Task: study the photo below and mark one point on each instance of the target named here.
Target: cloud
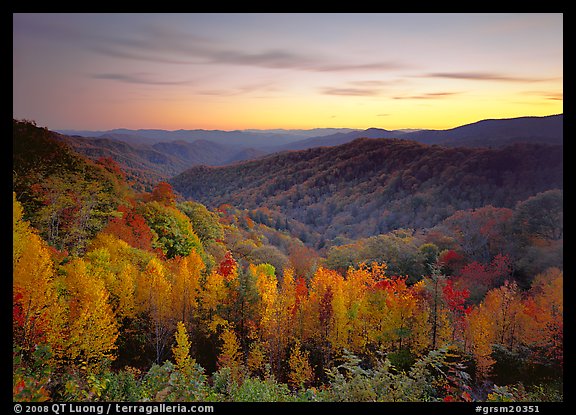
(549, 95)
(555, 96)
(375, 83)
(428, 95)
(136, 79)
(259, 87)
(373, 66)
(367, 92)
(166, 45)
(270, 59)
(163, 43)
(480, 76)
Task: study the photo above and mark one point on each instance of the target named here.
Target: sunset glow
(237, 71)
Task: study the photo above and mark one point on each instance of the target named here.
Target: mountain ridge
(482, 133)
(371, 186)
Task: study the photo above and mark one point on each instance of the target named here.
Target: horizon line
(282, 128)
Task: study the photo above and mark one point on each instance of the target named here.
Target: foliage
(250, 389)
(141, 297)
(301, 373)
(206, 224)
(173, 231)
(349, 191)
(30, 379)
(384, 383)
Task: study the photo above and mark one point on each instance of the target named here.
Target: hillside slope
(146, 164)
(371, 186)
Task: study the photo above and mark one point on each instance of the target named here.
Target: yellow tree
(125, 290)
(359, 283)
(320, 324)
(118, 265)
(301, 373)
(256, 359)
(186, 272)
(89, 332)
(33, 289)
(267, 288)
(181, 352)
(504, 308)
(268, 312)
(544, 309)
(285, 308)
(339, 327)
(400, 318)
(154, 295)
(212, 299)
(319, 321)
(481, 337)
(230, 353)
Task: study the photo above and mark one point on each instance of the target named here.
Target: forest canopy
(451, 291)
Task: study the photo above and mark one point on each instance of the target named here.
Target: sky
(294, 71)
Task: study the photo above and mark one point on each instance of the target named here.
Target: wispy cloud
(270, 59)
(141, 78)
(258, 87)
(164, 45)
(481, 76)
(555, 96)
(366, 92)
(428, 95)
(549, 95)
(371, 66)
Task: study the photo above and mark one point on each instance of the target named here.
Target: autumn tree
(268, 313)
(34, 293)
(132, 228)
(230, 353)
(185, 274)
(154, 297)
(434, 285)
(88, 327)
(478, 278)
(303, 260)
(481, 233)
(544, 310)
(163, 193)
(403, 323)
(301, 373)
(482, 336)
(455, 301)
(504, 306)
(181, 351)
(228, 267)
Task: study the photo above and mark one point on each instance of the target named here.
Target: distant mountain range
(151, 155)
(260, 139)
(485, 133)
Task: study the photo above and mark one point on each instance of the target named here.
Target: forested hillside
(372, 186)
(128, 295)
(146, 164)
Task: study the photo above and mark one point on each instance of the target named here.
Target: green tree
(206, 224)
(173, 230)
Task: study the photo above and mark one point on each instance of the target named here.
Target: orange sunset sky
(238, 71)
